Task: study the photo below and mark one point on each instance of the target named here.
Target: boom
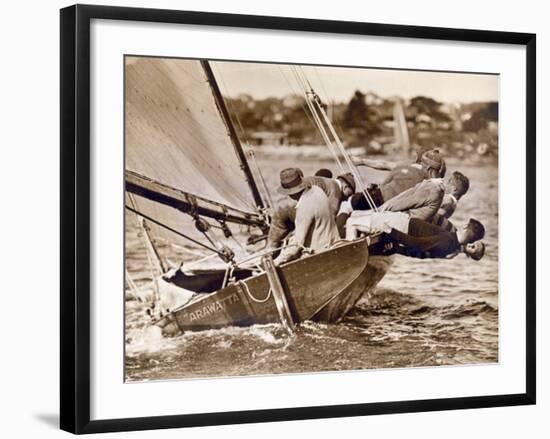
(186, 202)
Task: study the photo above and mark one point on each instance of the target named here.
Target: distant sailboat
(188, 178)
(400, 130)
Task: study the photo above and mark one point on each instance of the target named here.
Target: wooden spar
(232, 133)
(278, 294)
(266, 196)
(186, 202)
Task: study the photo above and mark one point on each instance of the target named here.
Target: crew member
(282, 220)
(421, 239)
(337, 190)
(425, 200)
(401, 177)
(315, 226)
(449, 204)
(324, 172)
(426, 240)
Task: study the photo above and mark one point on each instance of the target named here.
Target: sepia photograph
(297, 218)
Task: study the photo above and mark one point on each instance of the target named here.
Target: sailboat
(189, 181)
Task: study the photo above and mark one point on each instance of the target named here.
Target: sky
(339, 83)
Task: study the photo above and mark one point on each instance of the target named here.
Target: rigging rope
(233, 113)
(334, 122)
(133, 287)
(348, 160)
(155, 262)
(296, 93)
(191, 264)
(268, 201)
(194, 241)
(335, 146)
(304, 84)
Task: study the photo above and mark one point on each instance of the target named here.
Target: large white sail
(176, 136)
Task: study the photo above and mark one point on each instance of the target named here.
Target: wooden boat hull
(341, 304)
(310, 285)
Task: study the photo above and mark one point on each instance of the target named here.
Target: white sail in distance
(401, 132)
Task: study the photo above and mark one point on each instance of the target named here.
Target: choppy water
(423, 313)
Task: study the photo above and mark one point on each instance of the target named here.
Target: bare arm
(448, 206)
(381, 165)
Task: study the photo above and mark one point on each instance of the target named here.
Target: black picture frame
(75, 217)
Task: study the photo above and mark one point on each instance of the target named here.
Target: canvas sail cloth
(174, 134)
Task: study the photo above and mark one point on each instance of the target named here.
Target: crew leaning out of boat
(283, 218)
(449, 205)
(418, 238)
(401, 177)
(432, 199)
(315, 225)
(428, 199)
(422, 201)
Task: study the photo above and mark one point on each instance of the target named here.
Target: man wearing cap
(420, 202)
(337, 190)
(283, 218)
(324, 172)
(402, 176)
(315, 226)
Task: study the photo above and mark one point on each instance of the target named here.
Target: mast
(232, 133)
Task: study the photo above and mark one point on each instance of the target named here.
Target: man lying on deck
(418, 238)
(283, 218)
(315, 225)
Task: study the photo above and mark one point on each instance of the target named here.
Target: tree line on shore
(368, 120)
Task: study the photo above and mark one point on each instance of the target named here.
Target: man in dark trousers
(426, 240)
(421, 239)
